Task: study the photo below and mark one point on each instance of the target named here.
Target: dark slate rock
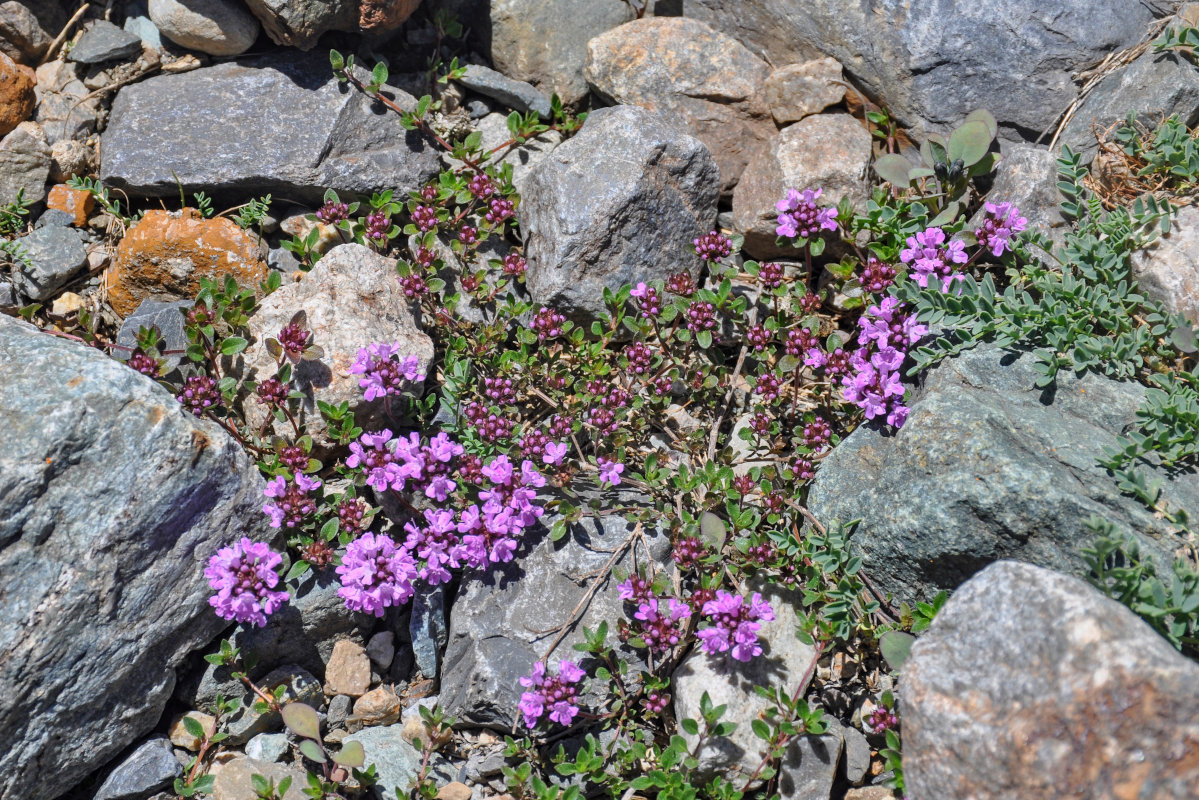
(1033, 684)
(56, 217)
(1154, 86)
(167, 317)
(8, 294)
(27, 27)
(477, 109)
(620, 202)
(428, 629)
(138, 22)
(104, 41)
(281, 125)
(57, 255)
(112, 499)
(988, 467)
(932, 63)
(300, 23)
(152, 766)
(499, 619)
(517, 95)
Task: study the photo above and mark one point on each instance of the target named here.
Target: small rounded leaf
(351, 755)
(894, 169)
(970, 143)
(895, 647)
(312, 751)
(986, 118)
(712, 530)
(301, 719)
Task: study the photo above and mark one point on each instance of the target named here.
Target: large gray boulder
(112, 499)
(931, 63)
(1033, 684)
(988, 467)
(620, 202)
(1168, 269)
(281, 125)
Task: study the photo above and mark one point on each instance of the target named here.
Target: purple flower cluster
(681, 283)
(770, 275)
(293, 503)
(735, 624)
(609, 471)
(424, 218)
(244, 577)
(713, 246)
(757, 337)
(547, 324)
(640, 357)
(557, 693)
(648, 302)
(377, 224)
(199, 393)
(332, 213)
(402, 463)
(515, 265)
(877, 276)
(381, 374)
(931, 258)
(688, 551)
(635, 589)
(886, 331)
(801, 218)
(375, 574)
(499, 210)
(271, 392)
(1002, 221)
(143, 363)
(701, 316)
(491, 427)
(882, 720)
(661, 629)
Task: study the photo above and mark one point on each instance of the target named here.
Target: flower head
(375, 574)
(556, 693)
(735, 624)
(244, 577)
(381, 375)
(801, 218)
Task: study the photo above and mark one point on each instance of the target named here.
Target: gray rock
(24, 164)
(299, 23)
(57, 255)
(339, 709)
(65, 109)
(152, 766)
(857, 755)
(1168, 270)
(1154, 86)
(1033, 684)
(544, 42)
(302, 632)
(282, 260)
(477, 109)
(166, 491)
(427, 628)
(809, 765)
(397, 763)
(517, 95)
(54, 217)
(69, 158)
(381, 648)
(138, 22)
(352, 298)
(987, 467)
(245, 722)
(268, 746)
(8, 294)
(620, 202)
(800, 90)
(932, 64)
(216, 27)
(499, 620)
(28, 26)
(702, 80)
(1027, 176)
(278, 125)
(167, 317)
(730, 682)
(104, 41)
(485, 763)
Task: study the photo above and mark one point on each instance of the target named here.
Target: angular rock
(932, 66)
(1168, 270)
(1027, 177)
(167, 490)
(57, 255)
(544, 42)
(700, 79)
(828, 151)
(235, 779)
(167, 318)
(349, 670)
(102, 42)
(216, 27)
(620, 202)
(138, 22)
(352, 298)
(379, 706)
(69, 158)
(24, 164)
(494, 128)
(76, 202)
(339, 709)
(280, 124)
(427, 628)
(1033, 684)
(397, 762)
(16, 95)
(8, 294)
(52, 216)
(857, 755)
(245, 722)
(381, 649)
(800, 90)
(1155, 86)
(730, 682)
(988, 467)
(166, 253)
(300, 24)
(152, 766)
(498, 617)
(517, 95)
(65, 108)
(28, 26)
(268, 747)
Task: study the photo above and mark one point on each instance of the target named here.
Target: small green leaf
(970, 143)
(894, 169)
(233, 345)
(312, 751)
(302, 720)
(351, 755)
(895, 647)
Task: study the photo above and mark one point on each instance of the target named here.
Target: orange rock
(164, 256)
(76, 202)
(381, 16)
(16, 95)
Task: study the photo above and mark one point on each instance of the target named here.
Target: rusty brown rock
(830, 151)
(76, 202)
(1032, 684)
(454, 791)
(383, 16)
(700, 78)
(164, 256)
(16, 94)
(379, 706)
(800, 90)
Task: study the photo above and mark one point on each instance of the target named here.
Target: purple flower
(636, 589)
(557, 693)
(375, 574)
(735, 625)
(648, 302)
(199, 393)
(661, 629)
(554, 452)
(930, 257)
(436, 543)
(243, 577)
(609, 471)
(801, 218)
(547, 324)
(1002, 221)
(381, 376)
(713, 246)
(292, 503)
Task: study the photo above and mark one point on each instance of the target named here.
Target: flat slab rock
(112, 499)
(281, 124)
(1033, 684)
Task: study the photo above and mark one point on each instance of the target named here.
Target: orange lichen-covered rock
(16, 94)
(76, 202)
(164, 256)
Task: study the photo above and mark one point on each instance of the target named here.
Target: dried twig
(62, 35)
